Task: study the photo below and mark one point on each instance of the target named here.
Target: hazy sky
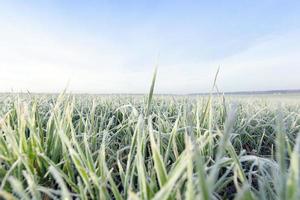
(112, 46)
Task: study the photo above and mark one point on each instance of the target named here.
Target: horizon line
(245, 92)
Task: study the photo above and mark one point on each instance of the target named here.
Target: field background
(149, 147)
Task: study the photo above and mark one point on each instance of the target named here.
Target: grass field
(136, 147)
(141, 147)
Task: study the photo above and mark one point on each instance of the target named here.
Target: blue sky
(112, 46)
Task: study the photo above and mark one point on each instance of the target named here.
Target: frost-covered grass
(135, 147)
(147, 147)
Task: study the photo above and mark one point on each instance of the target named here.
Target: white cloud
(43, 61)
(273, 63)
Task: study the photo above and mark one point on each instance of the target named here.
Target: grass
(155, 147)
